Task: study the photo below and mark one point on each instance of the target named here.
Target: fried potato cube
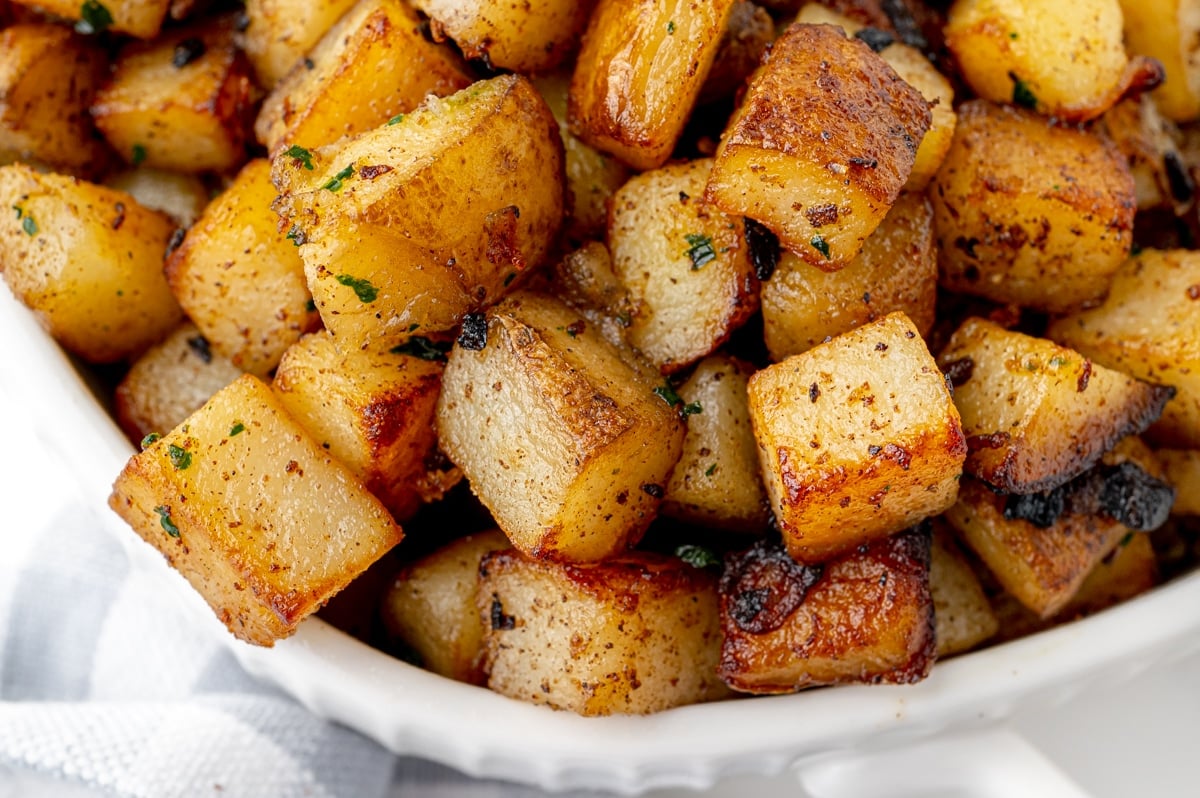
(639, 72)
(747, 36)
(48, 79)
(686, 265)
(240, 279)
(88, 261)
(866, 616)
(1166, 30)
(533, 36)
(963, 615)
(1149, 327)
(1149, 144)
(264, 523)
(182, 197)
(412, 225)
(188, 118)
(431, 608)
(803, 305)
(279, 32)
(169, 382)
(857, 439)
(1182, 468)
(1065, 59)
(632, 635)
(821, 146)
(369, 67)
(568, 446)
(372, 411)
(717, 482)
(140, 18)
(1037, 414)
(1014, 198)
(586, 281)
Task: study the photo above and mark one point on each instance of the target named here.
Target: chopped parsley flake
(164, 518)
(362, 288)
(94, 18)
(395, 120)
(335, 183)
(667, 393)
(300, 154)
(137, 154)
(310, 306)
(671, 28)
(149, 440)
(712, 468)
(820, 245)
(422, 347)
(296, 236)
(1022, 95)
(697, 556)
(180, 458)
(700, 249)
(237, 429)
(29, 225)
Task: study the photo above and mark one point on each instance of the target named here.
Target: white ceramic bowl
(411, 711)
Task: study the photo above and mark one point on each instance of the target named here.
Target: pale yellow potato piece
(140, 18)
(636, 634)
(686, 265)
(1150, 144)
(1149, 327)
(717, 482)
(963, 615)
(280, 32)
(1167, 30)
(182, 197)
(88, 261)
(1183, 471)
(566, 444)
(857, 439)
(269, 546)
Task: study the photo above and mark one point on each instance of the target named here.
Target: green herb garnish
(237, 429)
(29, 225)
(820, 245)
(422, 347)
(671, 28)
(164, 518)
(697, 556)
(310, 306)
(395, 120)
(149, 440)
(137, 154)
(300, 154)
(667, 393)
(335, 182)
(296, 236)
(710, 470)
(180, 458)
(1022, 95)
(362, 288)
(700, 249)
(94, 18)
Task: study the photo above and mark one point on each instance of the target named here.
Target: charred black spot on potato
(764, 250)
(500, 621)
(762, 586)
(1040, 509)
(474, 332)
(959, 371)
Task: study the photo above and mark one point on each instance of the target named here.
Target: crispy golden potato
(431, 607)
(857, 439)
(568, 446)
(369, 67)
(532, 36)
(169, 382)
(140, 18)
(372, 411)
(1182, 468)
(1014, 198)
(240, 279)
(636, 634)
(827, 121)
(586, 281)
(1037, 414)
(803, 305)
(412, 225)
(279, 32)
(48, 79)
(188, 118)
(963, 616)
(1149, 144)
(88, 261)
(266, 549)
(1065, 59)
(1149, 327)
(636, 107)
(717, 482)
(182, 197)
(747, 36)
(866, 616)
(686, 265)
(1166, 30)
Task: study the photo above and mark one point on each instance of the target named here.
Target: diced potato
(1148, 142)
(864, 617)
(850, 15)
(373, 411)
(804, 305)
(1037, 414)
(821, 146)
(857, 439)
(1183, 471)
(140, 18)
(636, 106)
(88, 261)
(1166, 30)
(413, 225)
(369, 67)
(279, 32)
(1149, 327)
(962, 613)
(686, 265)
(566, 445)
(48, 79)
(182, 197)
(717, 482)
(632, 635)
(431, 607)
(189, 118)
(531, 36)
(265, 548)
(585, 280)
(1014, 199)
(747, 36)
(170, 382)
(240, 279)
(1065, 59)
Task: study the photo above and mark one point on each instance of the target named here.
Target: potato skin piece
(635, 634)
(866, 616)
(826, 119)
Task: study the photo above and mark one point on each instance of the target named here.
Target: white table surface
(1137, 740)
